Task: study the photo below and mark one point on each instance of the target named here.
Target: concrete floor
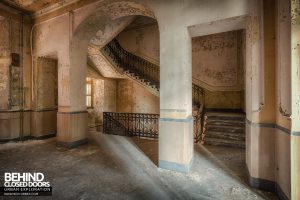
(116, 167)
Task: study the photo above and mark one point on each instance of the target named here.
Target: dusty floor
(116, 167)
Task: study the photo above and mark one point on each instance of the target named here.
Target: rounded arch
(87, 29)
(99, 19)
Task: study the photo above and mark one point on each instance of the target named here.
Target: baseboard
(267, 185)
(278, 191)
(175, 166)
(29, 137)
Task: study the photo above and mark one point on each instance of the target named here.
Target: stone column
(295, 129)
(176, 121)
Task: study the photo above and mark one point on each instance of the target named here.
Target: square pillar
(295, 129)
(72, 117)
(176, 121)
(72, 128)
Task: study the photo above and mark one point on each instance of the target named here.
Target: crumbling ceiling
(31, 5)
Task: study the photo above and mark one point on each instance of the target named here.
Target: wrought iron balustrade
(132, 63)
(131, 124)
(135, 124)
(140, 125)
(198, 96)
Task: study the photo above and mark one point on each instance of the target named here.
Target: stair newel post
(127, 61)
(146, 72)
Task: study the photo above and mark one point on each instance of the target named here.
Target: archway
(72, 115)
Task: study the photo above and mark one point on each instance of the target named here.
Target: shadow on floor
(233, 162)
(228, 159)
(149, 147)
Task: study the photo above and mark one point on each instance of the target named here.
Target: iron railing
(131, 124)
(132, 64)
(198, 96)
(140, 125)
(137, 124)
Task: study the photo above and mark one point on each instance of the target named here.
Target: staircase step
(225, 116)
(225, 129)
(225, 135)
(235, 114)
(225, 123)
(221, 142)
(229, 129)
(235, 118)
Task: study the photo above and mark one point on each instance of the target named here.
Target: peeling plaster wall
(175, 60)
(217, 62)
(120, 95)
(133, 98)
(51, 40)
(9, 73)
(44, 115)
(224, 99)
(46, 85)
(14, 57)
(104, 96)
(217, 66)
(142, 41)
(4, 61)
(105, 93)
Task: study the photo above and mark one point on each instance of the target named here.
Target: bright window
(89, 92)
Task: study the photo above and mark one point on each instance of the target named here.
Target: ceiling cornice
(10, 7)
(59, 9)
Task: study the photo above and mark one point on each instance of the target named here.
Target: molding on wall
(59, 9)
(266, 185)
(190, 119)
(72, 113)
(295, 133)
(14, 111)
(12, 10)
(213, 88)
(270, 125)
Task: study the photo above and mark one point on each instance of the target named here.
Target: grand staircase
(147, 74)
(134, 67)
(215, 128)
(224, 129)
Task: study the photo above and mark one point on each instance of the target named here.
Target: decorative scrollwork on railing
(131, 124)
(132, 63)
(143, 125)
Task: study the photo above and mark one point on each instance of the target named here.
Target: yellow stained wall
(133, 98)
(217, 61)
